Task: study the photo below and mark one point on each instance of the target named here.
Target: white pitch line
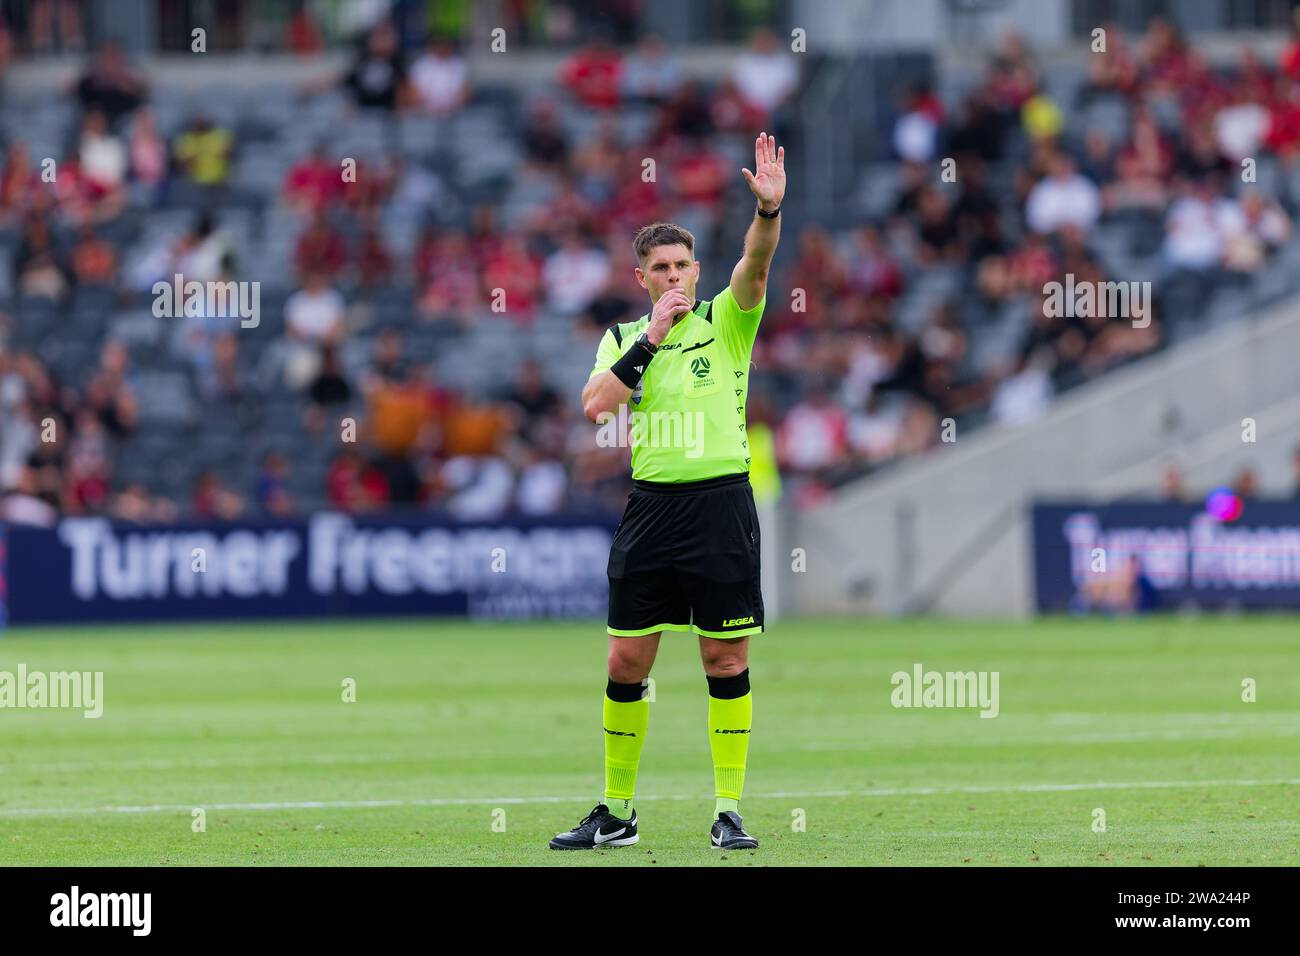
(212, 763)
(1284, 729)
(779, 795)
(1164, 736)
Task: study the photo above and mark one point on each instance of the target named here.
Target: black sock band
(624, 693)
(729, 688)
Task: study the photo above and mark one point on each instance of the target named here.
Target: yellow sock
(625, 728)
(731, 713)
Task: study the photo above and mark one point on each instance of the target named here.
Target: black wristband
(632, 365)
(769, 215)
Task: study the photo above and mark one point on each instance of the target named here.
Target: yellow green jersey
(685, 420)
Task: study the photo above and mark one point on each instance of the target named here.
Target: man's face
(669, 267)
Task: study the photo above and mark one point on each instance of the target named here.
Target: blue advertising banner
(92, 569)
(1169, 555)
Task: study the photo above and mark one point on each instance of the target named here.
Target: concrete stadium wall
(949, 530)
(925, 24)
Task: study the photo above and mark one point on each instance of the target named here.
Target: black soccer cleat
(729, 834)
(598, 828)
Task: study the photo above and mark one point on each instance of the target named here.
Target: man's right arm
(603, 393)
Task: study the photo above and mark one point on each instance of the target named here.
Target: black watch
(769, 215)
(644, 340)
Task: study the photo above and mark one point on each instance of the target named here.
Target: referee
(686, 554)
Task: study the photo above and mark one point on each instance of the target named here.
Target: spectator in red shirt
(302, 35)
(371, 187)
(1290, 61)
(1116, 71)
(314, 182)
(636, 202)
(320, 249)
(1012, 75)
(567, 211)
(1033, 264)
(87, 485)
(343, 481)
(212, 500)
(374, 262)
(451, 285)
(1142, 168)
(1164, 54)
(94, 261)
(1254, 80)
(517, 273)
(701, 177)
(594, 75)
(873, 271)
(353, 486)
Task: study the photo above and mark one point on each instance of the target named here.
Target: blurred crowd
(517, 445)
(844, 384)
(1034, 185)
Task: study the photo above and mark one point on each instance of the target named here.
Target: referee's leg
(631, 658)
(731, 712)
(626, 717)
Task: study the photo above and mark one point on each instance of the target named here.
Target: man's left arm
(767, 183)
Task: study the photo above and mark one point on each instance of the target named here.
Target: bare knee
(630, 658)
(724, 658)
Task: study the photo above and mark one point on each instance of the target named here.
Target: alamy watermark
(1103, 300)
(922, 688)
(75, 690)
(194, 299)
(652, 429)
(129, 910)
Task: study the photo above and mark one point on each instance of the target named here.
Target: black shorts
(685, 558)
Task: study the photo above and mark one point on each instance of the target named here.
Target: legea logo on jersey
(625, 429)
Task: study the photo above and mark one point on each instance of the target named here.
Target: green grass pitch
(473, 744)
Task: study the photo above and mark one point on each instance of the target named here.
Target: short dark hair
(661, 234)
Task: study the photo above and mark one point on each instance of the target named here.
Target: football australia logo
(702, 380)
